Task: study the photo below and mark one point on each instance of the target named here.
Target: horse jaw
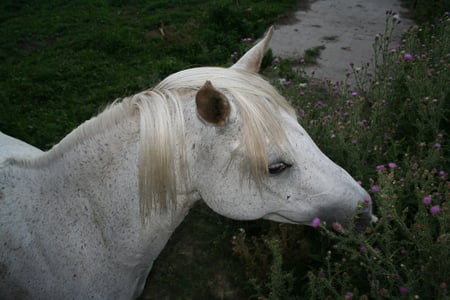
(251, 61)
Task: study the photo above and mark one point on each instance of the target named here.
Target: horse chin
(283, 218)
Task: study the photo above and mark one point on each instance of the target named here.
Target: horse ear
(212, 106)
(251, 61)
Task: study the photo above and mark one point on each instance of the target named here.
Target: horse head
(249, 158)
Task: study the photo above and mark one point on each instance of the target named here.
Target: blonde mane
(162, 130)
(259, 105)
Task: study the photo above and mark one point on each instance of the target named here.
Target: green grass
(61, 62)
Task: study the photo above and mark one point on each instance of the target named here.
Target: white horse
(87, 219)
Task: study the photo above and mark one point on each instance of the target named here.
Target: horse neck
(102, 172)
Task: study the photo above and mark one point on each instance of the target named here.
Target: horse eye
(278, 167)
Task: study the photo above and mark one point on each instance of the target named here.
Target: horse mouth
(282, 218)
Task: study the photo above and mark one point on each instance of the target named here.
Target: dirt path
(346, 28)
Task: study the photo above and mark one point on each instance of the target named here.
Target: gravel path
(345, 27)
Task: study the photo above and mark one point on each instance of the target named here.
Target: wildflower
(354, 94)
(315, 222)
(302, 61)
(440, 136)
(301, 112)
(276, 60)
(435, 210)
(354, 142)
(337, 227)
(443, 286)
(426, 200)
(408, 56)
(403, 290)
(403, 251)
(380, 168)
(348, 296)
(367, 201)
(362, 249)
(247, 40)
(397, 18)
(392, 165)
(437, 145)
(374, 189)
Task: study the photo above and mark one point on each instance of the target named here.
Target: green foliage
(425, 10)
(311, 55)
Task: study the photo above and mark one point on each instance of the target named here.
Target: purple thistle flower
(392, 165)
(380, 168)
(443, 286)
(362, 249)
(315, 222)
(437, 145)
(367, 201)
(435, 210)
(426, 200)
(276, 60)
(408, 56)
(374, 189)
(403, 290)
